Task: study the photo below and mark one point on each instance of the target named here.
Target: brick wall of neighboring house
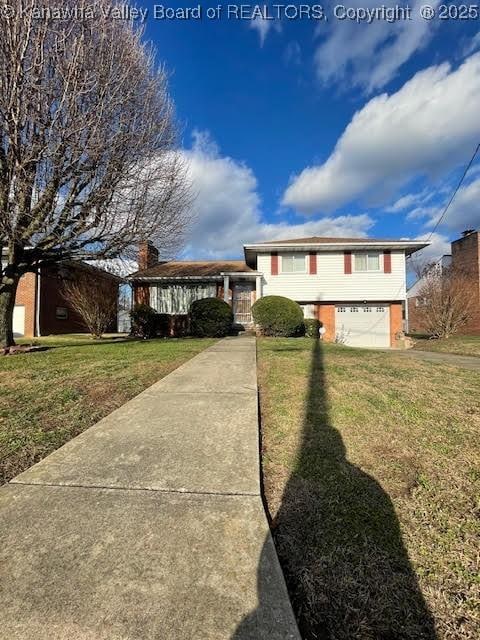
(26, 296)
(326, 315)
(466, 256)
(396, 321)
(53, 303)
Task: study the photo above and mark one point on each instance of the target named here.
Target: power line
(467, 169)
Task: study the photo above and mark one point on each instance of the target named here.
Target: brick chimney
(147, 255)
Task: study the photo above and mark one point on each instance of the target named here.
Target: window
(308, 311)
(354, 309)
(421, 302)
(341, 309)
(61, 313)
(367, 261)
(367, 309)
(380, 309)
(293, 263)
(177, 298)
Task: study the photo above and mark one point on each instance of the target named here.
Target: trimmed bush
(312, 327)
(210, 318)
(278, 316)
(144, 321)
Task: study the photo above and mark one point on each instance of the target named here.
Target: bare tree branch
(88, 160)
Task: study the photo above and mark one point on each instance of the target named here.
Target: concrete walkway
(150, 524)
(453, 359)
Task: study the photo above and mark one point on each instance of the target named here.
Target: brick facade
(396, 322)
(26, 297)
(465, 257)
(326, 315)
(50, 301)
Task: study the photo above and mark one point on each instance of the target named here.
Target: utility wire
(467, 169)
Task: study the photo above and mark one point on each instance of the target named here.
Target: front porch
(240, 290)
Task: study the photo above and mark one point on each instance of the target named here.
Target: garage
(18, 321)
(363, 325)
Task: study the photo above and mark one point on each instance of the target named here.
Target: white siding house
(331, 283)
(355, 287)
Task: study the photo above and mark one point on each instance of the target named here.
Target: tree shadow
(340, 545)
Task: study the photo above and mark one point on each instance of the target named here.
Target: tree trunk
(8, 292)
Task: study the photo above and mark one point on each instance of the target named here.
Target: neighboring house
(355, 287)
(466, 257)
(40, 308)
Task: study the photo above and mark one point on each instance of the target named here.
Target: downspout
(37, 304)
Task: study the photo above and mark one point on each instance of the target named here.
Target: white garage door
(363, 325)
(18, 320)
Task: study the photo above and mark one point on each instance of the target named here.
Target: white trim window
(367, 261)
(294, 263)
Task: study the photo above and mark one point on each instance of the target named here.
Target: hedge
(278, 316)
(210, 318)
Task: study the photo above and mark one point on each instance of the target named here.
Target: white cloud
(427, 127)
(227, 208)
(440, 245)
(464, 212)
(263, 25)
(369, 55)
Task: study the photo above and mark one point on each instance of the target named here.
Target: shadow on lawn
(339, 544)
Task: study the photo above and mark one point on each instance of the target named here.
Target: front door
(242, 303)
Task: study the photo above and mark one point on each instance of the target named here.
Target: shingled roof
(206, 268)
(323, 240)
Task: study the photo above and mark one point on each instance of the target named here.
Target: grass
(371, 473)
(47, 398)
(461, 345)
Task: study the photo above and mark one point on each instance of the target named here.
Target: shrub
(144, 321)
(312, 327)
(210, 318)
(278, 316)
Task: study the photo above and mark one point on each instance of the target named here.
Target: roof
(193, 269)
(325, 240)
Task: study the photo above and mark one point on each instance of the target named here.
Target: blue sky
(324, 127)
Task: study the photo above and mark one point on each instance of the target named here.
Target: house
(40, 308)
(355, 286)
(464, 256)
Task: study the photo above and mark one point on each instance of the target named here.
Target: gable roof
(192, 269)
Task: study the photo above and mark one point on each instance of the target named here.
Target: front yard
(371, 472)
(49, 397)
(461, 345)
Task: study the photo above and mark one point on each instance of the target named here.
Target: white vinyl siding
(293, 263)
(330, 283)
(177, 298)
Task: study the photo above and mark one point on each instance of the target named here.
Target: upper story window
(294, 263)
(367, 261)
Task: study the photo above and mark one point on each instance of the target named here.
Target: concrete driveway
(466, 362)
(150, 524)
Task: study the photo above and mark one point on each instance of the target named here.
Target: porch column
(226, 287)
(258, 287)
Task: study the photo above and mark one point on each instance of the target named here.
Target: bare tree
(444, 300)
(88, 165)
(95, 301)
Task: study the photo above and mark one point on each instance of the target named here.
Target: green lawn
(462, 345)
(49, 397)
(372, 477)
